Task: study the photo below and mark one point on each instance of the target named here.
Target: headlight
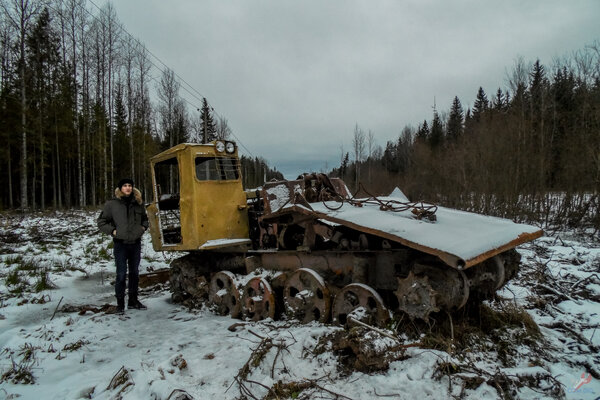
(230, 147)
(220, 146)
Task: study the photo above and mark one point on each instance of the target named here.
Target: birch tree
(358, 144)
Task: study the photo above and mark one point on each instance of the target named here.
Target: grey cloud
(294, 77)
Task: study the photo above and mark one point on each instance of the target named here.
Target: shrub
(43, 282)
(12, 278)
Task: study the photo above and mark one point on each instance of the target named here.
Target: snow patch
(399, 195)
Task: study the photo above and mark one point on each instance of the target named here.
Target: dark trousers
(127, 256)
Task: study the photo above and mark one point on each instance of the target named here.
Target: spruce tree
(42, 66)
(481, 104)
(209, 129)
(423, 132)
(455, 120)
(436, 136)
(389, 156)
(538, 90)
(122, 157)
(499, 102)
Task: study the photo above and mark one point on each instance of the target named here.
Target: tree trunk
(54, 186)
(10, 189)
(23, 121)
(58, 174)
(42, 162)
(33, 180)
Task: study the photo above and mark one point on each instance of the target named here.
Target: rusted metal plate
(155, 277)
(458, 238)
(280, 194)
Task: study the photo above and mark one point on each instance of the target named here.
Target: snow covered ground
(57, 342)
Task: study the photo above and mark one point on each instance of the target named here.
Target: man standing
(125, 219)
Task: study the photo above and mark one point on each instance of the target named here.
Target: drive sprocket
(416, 297)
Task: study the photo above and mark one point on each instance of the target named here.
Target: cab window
(217, 168)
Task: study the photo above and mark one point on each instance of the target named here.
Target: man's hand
(114, 232)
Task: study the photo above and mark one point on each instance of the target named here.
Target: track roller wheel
(258, 299)
(306, 296)
(359, 302)
(487, 277)
(224, 294)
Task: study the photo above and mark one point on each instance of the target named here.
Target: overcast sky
(293, 78)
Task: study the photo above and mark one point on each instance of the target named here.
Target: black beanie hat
(124, 181)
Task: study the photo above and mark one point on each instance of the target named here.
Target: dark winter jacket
(127, 217)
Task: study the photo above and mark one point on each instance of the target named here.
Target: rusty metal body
(308, 250)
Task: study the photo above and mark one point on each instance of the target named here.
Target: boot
(133, 302)
(120, 306)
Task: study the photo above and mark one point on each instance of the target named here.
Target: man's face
(127, 189)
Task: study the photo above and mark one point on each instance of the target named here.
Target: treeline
(256, 171)
(76, 110)
(530, 151)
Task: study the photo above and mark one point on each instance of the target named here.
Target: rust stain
(450, 259)
(152, 278)
(522, 238)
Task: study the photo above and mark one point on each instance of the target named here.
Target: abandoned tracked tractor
(308, 250)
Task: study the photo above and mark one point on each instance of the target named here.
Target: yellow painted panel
(209, 210)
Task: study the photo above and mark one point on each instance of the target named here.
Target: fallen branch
(122, 377)
(275, 361)
(561, 325)
(255, 357)
(503, 381)
(383, 333)
(338, 395)
(233, 328)
(265, 386)
(54, 313)
(556, 292)
(257, 335)
(244, 390)
(583, 280)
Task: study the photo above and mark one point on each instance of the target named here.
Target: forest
(77, 111)
(530, 152)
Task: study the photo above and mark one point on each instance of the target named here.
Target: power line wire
(151, 53)
(122, 28)
(162, 63)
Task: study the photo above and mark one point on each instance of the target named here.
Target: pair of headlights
(221, 146)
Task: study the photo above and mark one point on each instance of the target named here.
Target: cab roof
(178, 148)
